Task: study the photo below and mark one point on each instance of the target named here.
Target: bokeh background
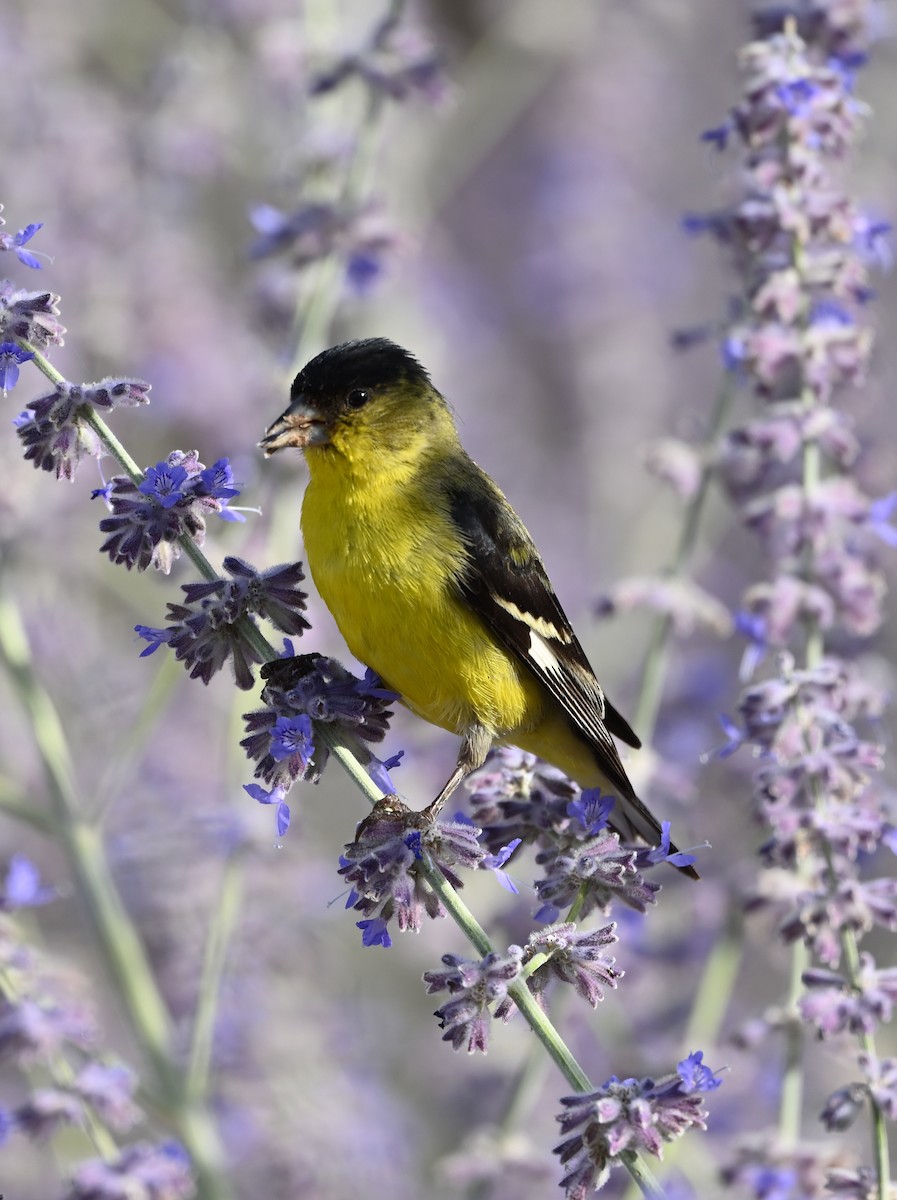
(532, 257)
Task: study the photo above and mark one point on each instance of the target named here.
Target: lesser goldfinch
(434, 581)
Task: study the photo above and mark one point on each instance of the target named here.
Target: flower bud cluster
(215, 622)
(172, 500)
(301, 690)
(516, 796)
(629, 1115)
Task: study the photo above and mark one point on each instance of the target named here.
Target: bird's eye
(358, 398)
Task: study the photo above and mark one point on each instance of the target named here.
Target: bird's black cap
(372, 363)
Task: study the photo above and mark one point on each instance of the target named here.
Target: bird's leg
(475, 746)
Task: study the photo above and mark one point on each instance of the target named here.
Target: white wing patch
(538, 624)
(543, 655)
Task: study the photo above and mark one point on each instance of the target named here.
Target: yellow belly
(385, 580)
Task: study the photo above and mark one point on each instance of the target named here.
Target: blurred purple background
(539, 272)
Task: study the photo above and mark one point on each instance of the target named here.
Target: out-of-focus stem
(657, 657)
(791, 1098)
(314, 319)
(223, 922)
(116, 934)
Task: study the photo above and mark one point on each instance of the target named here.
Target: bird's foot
(389, 810)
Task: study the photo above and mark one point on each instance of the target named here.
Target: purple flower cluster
(29, 317)
(54, 430)
(302, 689)
(173, 500)
(44, 1027)
(476, 987)
(803, 252)
(397, 63)
(517, 796)
(628, 1115)
(157, 1172)
(380, 865)
(213, 624)
(575, 957)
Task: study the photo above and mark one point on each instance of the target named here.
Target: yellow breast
(385, 573)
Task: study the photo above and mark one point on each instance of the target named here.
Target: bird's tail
(593, 765)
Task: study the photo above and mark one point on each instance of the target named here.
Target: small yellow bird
(434, 581)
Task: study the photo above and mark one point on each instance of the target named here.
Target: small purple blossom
(109, 1088)
(16, 242)
(880, 1082)
(719, 135)
(379, 771)
(292, 735)
(29, 316)
(22, 887)
(515, 795)
(216, 621)
(154, 637)
(55, 432)
(46, 1111)
(476, 987)
(30, 1031)
(832, 1005)
(843, 1107)
(495, 863)
(374, 932)
(325, 691)
(163, 482)
(11, 358)
(661, 854)
(275, 797)
(600, 869)
(879, 518)
(592, 810)
(397, 61)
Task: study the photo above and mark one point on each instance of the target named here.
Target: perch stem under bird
(434, 581)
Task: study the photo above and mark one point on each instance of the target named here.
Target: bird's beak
(302, 424)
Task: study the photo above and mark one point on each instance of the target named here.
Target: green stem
(217, 942)
(716, 986)
(134, 740)
(791, 1099)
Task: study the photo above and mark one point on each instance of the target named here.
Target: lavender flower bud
(576, 958)
(476, 986)
(29, 316)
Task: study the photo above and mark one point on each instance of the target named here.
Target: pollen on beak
(300, 425)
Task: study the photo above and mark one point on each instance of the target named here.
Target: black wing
(506, 584)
